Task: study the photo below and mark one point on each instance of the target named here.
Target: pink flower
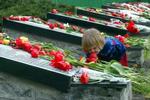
(75, 28)
(54, 11)
(69, 13)
(92, 19)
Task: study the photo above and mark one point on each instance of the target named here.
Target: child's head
(92, 40)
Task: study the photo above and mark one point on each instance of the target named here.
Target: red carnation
(55, 24)
(120, 38)
(24, 19)
(52, 53)
(131, 27)
(126, 35)
(37, 46)
(58, 61)
(42, 53)
(51, 26)
(34, 53)
(61, 26)
(27, 46)
(63, 65)
(92, 57)
(19, 43)
(84, 79)
(80, 16)
(81, 30)
(75, 28)
(69, 13)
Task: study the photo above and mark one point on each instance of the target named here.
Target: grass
(29, 7)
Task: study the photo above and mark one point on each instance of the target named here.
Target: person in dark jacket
(106, 48)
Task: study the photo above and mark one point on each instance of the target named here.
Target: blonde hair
(92, 38)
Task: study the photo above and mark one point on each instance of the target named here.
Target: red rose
(84, 79)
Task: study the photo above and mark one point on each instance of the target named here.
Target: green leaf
(118, 67)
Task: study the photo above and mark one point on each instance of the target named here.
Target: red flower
(80, 16)
(127, 45)
(113, 14)
(75, 28)
(1, 41)
(69, 13)
(54, 11)
(52, 53)
(126, 35)
(58, 56)
(61, 26)
(84, 79)
(51, 26)
(81, 30)
(63, 65)
(42, 53)
(131, 27)
(19, 43)
(24, 19)
(92, 57)
(123, 15)
(117, 22)
(58, 61)
(37, 46)
(55, 24)
(120, 38)
(27, 46)
(92, 19)
(34, 53)
(13, 18)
